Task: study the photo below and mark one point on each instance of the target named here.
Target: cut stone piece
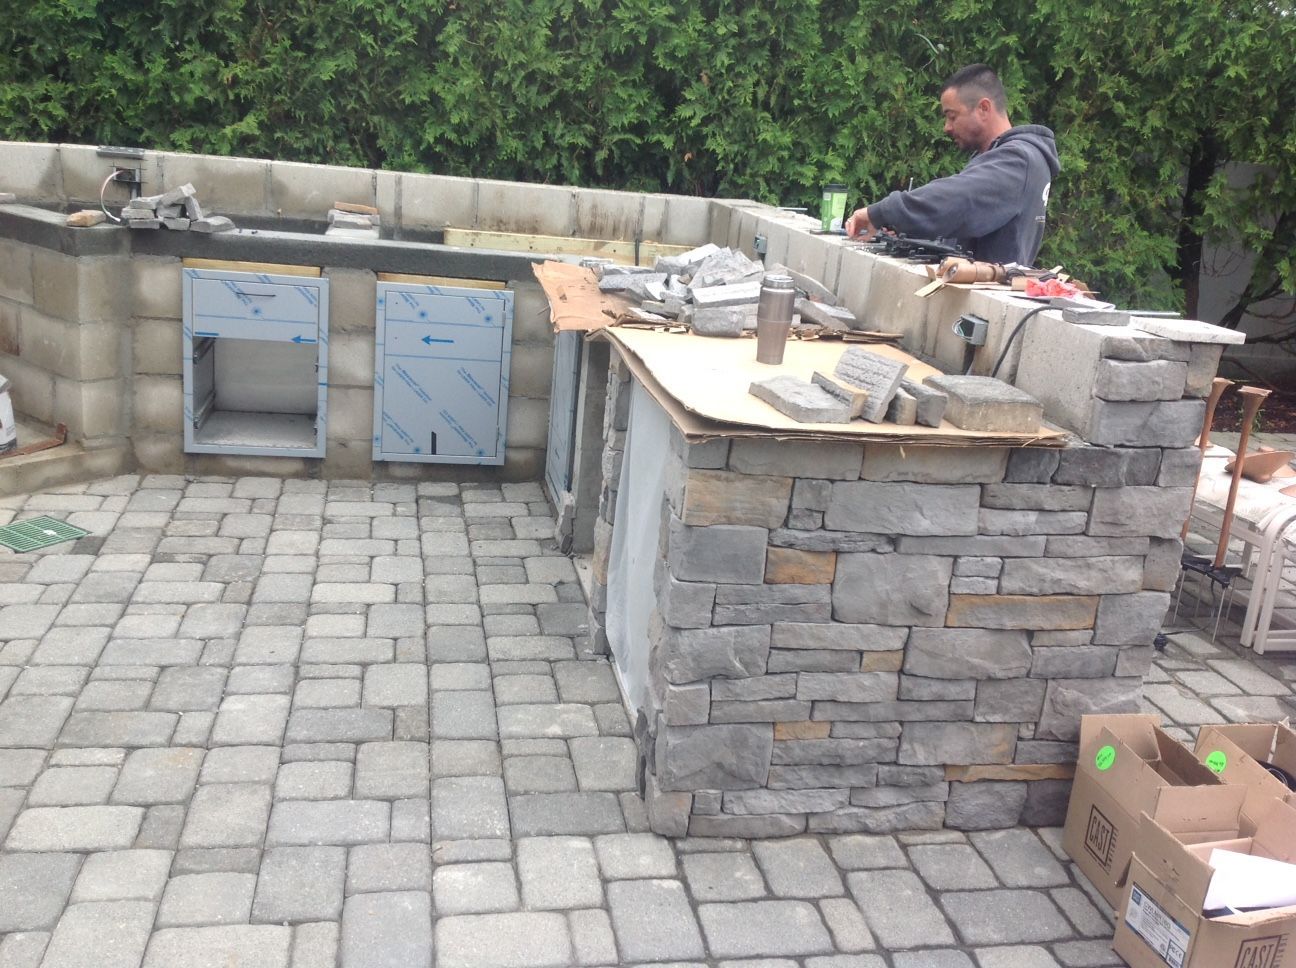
(192, 209)
(176, 196)
(931, 403)
(143, 223)
(903, 409)
(725, 268)
(626, 282)
(879, 375)
(985, 403)
(803, 402)
(1187, 330)
(719, 321)
(85, 218)
(176, 224)
(211, 224)
(854, 398)
(170, 211)
(832, 317)
(686, 261)
(737, 294)
(1096, 317)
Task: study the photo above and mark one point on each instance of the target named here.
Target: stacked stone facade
(859, 636)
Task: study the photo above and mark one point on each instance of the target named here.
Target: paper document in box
(1247, 882)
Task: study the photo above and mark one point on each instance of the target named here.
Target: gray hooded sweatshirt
(994, 206)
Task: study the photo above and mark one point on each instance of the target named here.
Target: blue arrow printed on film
(429, 340)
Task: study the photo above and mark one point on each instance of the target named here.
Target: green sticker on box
(1217, 761)
(1105, 758)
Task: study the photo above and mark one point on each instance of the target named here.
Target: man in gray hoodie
(995, 206)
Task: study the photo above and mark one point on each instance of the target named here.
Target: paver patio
(303, 723)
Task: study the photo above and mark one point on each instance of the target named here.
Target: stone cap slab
(1187, 330)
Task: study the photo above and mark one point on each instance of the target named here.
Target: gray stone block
(1066, 700)
(838, 637)
(985, 403)
(746, 802)
(1009, 700)
(892, 589)
(724, 268)
(967, 653)
(1162, 565)
(1187, 330)
(921, 689)
(728, 757)
(1158, 380)
(930, 403)
(1179, 467)
(687, 705)
(1071, 576)
(925, 815)
(1074, 662)
(854, 399)
(992, 521)
(714, 297)
(211, 224)
(878, 375)
(1105, 466)
(689, 655)
(847, 751)
(1036, 497)
(830, 317)
(903, 409)
(894, 508)
(1168, 423)
(1030, 546)
(835, 460)
(723, 553)
(719, 321)
(1084, 546)
(1154, 511)
(1130, 619)
(1203, 364)
(1032, 465)
(802, 401)
(887, 461)
(819, 540)
(1046, 804)
(924, 744)
(847, 687)
(985, 805)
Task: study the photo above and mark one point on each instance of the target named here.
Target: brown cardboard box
(1235, 752)
(1128, 765)
(1161, 921)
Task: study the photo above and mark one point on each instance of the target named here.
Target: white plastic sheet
(631, 596)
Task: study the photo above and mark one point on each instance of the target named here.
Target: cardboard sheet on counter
(575, 302)
(703, 384)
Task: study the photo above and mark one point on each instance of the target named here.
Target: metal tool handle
(1252, 398)
(1218, 386)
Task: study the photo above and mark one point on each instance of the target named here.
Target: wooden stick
(1252, 398)
(1218, 386)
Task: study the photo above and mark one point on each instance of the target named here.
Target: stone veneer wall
(862, 637)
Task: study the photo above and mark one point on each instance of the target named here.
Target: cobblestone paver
(302, 723)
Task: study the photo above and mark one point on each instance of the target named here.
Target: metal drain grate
(35, 533)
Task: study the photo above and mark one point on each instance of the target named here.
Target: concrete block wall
(64, 339)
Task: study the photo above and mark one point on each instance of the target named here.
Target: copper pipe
(1252, 398)
(1218, 386)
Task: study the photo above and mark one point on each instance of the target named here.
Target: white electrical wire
(103, 188)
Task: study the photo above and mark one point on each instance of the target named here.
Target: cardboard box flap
(1171, 863)
(1236, 762)
(1276, 834)
(1187, 810)
(1181, 764)
(1135, 730)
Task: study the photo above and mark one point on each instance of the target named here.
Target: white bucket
(8, 428)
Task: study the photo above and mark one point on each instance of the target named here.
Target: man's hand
(858, 225)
